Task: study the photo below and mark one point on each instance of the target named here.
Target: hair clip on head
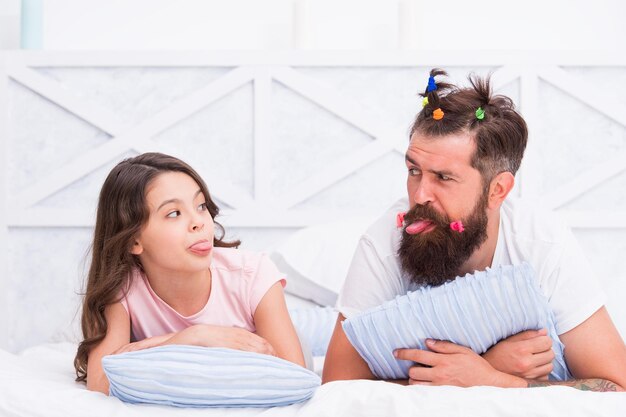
(432, 85)
(480, 113)
(438, 114)
(425, 102)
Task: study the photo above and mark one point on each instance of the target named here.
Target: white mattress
(40, 382)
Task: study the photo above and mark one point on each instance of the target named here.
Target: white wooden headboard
(283, 140)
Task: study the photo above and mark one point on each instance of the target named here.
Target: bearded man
(465, 147)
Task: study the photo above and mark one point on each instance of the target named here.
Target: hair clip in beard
(457, 226)
(400, 219)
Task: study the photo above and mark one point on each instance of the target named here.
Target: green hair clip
(480, 113)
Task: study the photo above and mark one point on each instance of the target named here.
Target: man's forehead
(454, 149)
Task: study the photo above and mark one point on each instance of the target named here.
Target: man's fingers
(416, 382)
(543, 358)
(443, 346)
(528, 334)
(540, 344)
(421, 373)
(541, 373)
(423, 357)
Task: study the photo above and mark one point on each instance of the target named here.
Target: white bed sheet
(40, 382)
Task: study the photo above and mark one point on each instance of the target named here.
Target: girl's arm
(118, 334)
(273, 323)
(208, 336)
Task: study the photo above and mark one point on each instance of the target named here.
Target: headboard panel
(283, 140)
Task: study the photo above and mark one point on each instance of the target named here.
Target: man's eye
(444, 177)
(414, 172)
(173, 214)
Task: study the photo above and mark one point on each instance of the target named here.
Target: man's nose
(423, 193)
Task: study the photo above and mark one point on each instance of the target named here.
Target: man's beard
(435, 257)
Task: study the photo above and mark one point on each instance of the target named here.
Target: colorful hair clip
(425, 102)
(432, 85)
(457, 226)
(400, 219)
(480, 113)
(438, 114)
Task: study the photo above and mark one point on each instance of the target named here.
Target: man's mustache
(425, 212)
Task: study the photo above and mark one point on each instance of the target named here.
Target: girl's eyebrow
(171, 200)
(177, 200)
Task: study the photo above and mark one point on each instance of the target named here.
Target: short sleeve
(265, 275)
(575, 291)
(124, 302)
(372, 279)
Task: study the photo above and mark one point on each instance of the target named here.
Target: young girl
(161, 275)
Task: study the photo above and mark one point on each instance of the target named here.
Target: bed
(274, 119)
(39, 382)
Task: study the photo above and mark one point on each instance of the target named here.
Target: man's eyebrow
(443, 173)
(408, 159)
(176, 200)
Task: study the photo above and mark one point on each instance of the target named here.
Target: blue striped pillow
(193, 376)
(476, 311)
(315, 327)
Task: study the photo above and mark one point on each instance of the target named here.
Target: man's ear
(499, 188)
(137, 249)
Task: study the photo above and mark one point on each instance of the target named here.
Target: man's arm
(594, 352)
(342, 360)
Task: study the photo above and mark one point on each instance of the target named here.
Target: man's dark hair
(500, 136)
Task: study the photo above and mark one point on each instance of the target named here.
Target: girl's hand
(144, 344)
(220, 336)
(240, 339)
(527, 355)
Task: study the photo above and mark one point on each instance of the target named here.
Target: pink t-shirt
(239, 280)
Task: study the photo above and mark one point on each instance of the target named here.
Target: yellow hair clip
(425, 102)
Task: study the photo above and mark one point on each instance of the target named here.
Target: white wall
(334, 24)
(9, 24)
(284, 141)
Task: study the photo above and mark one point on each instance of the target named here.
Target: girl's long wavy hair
(122, 212)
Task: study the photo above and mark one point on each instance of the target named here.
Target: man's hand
(527, 354)
(449, 364)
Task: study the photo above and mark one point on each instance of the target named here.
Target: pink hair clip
(400, 219)
(458, 226)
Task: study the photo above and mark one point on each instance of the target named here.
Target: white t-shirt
(525, 234)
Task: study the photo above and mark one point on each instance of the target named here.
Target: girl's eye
(173, 214)
(202, 207)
